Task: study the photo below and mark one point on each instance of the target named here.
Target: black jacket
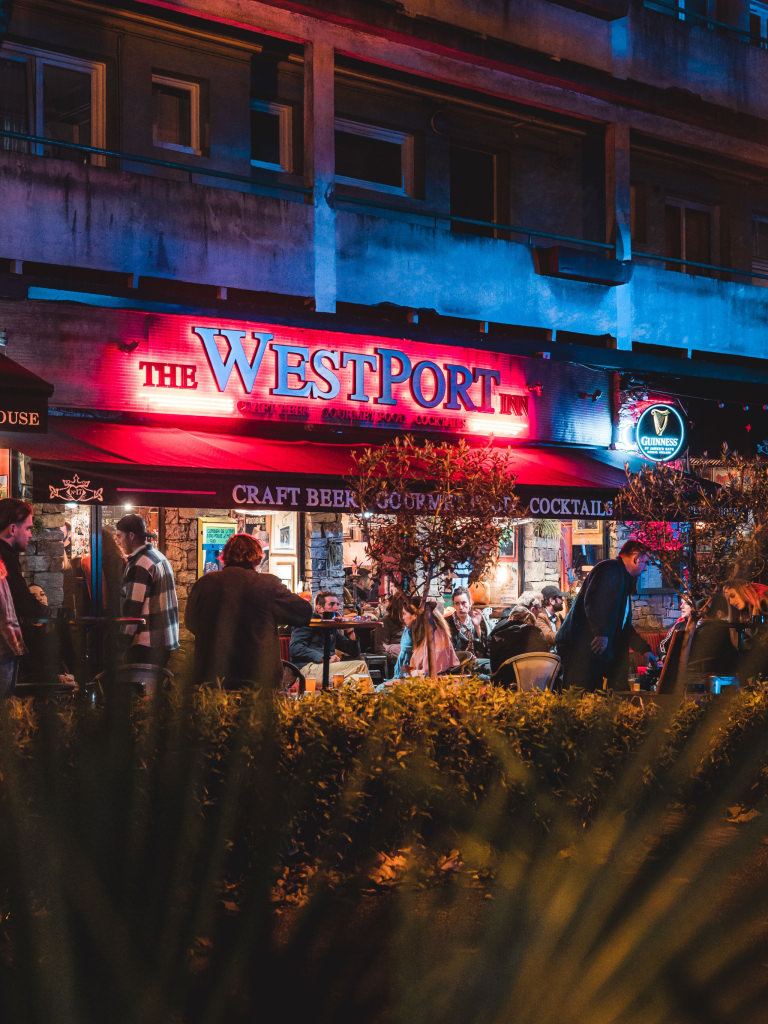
(28, 608)
(307, 645)
(599, 610)
(234, 614)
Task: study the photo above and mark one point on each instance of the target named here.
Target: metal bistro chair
(533, 671)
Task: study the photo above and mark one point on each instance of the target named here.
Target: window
(271, 136)
(377, 158)
(52, 96)
(688, 233)
(474, 189)
(175, 114)
(758, 23)
(696, 11)
(760, 248)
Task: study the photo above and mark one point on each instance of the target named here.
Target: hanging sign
(660, 433)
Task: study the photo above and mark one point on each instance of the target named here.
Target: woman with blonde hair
(746, 596)
(750, 601)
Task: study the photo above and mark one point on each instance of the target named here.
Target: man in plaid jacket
(148, 592)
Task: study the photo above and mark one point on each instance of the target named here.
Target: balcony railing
(192, 171)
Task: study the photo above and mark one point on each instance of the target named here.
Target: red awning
(159, 465)
(78, 441)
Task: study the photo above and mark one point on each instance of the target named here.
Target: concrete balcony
(77, 215)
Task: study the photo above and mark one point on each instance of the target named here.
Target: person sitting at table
(712, 653)
(517, 634)
(418, 623)
(686, 610)
(750, 603)
(386, 640)
(469, 632)
(308, 644)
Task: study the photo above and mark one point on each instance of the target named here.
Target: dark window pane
(66, 109)
(673, 239)
(14, 111)
(265, 137)
(760, 239)
(473, 189)
(698, 236)
(172, 115)
(366, 159)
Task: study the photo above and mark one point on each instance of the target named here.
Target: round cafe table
(329, 625)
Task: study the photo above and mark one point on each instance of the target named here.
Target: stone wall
(43, 565)
(541, 559)
(324, 535)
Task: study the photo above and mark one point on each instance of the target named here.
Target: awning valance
(87, 461)
(23, 398)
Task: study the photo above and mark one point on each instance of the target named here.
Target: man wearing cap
(148, 592)
(549, 616)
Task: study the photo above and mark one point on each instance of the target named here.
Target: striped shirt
(150, 593)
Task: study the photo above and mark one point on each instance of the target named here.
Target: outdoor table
(339, 624)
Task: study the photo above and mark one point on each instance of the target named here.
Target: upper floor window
(474, 190)
(760, 246)
(271, 135)
(689, 233)
(687, 10)
(175, 114)
(758, 23)
(374, 157)
(55, 97)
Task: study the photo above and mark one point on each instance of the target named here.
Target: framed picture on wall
(587, 531)
(284, 532)
(3, 486)
(285, 570)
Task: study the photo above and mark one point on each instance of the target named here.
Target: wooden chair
(533, 671)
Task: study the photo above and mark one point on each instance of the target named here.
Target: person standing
(11, 641)
(597, 635)
(15, 534)
(549, 618)
(234, 615)
(148, 592)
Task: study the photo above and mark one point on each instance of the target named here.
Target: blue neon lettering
(222, 369)
(359, 362)
(325, 373)
(283, 370)
(457, 389)
(386, 378)
(416, 384)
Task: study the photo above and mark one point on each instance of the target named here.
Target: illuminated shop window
(374, 157)
(175, 114)
(53, 96)
(271, 136)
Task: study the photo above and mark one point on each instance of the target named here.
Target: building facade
(215, 214)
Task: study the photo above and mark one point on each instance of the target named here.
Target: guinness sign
(660, 433)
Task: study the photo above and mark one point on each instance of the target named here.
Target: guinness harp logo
(660, 433)
(660, 418)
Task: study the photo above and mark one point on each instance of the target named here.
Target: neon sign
(206, 368)
(660, 433)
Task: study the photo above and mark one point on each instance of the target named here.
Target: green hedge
(174, 860)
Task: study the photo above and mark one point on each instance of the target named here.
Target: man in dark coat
(308, 644)
(234, 615)
(597, 635)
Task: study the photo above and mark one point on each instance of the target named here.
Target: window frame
(284, 113)
(195, 134)
(714, 241)
(760, 11)
(406, 142)
(36, 60)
